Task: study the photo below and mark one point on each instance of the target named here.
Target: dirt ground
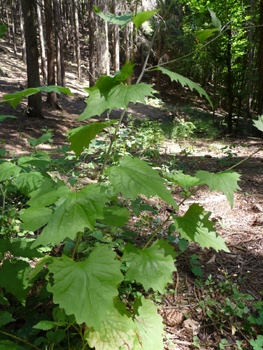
(241, 227)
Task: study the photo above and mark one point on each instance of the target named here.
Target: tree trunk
(23, 42)
(42, 41)
(13, 20)
(103, 42)
(250, 61)
(260, 62)
(92, 28)
(59, 44)
(76, 26)
(116, 40)
(229, 82)
(51, 96)
(34, 101)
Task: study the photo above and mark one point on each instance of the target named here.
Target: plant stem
(3, 194)
(244, 160)
(76, 244)
(111, 142)
(20, 339)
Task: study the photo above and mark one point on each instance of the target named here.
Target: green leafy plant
(77, 268)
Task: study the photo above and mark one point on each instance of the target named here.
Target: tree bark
(250, 61)
(23, 42)
(59, 44)
(103, 42)
(116, 40)
(260, 62)
(34, 101)
(76, 26)
(51, 96)
(13, 23)
(92, 28)
(42, 41)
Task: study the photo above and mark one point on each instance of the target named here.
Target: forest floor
(241, 226)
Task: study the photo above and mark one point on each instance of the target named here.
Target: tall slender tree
(76, 27)
(42, 41)
(34, 101)
(260, 63)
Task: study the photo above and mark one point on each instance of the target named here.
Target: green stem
(76, 245)
(244, 160)
(23, 340)
(111, 142)
(3, 194)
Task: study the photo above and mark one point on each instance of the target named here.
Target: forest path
(241, 227)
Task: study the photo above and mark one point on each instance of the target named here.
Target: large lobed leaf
(80, 137)
(149, 323)
(73, 213)
(19, 284)
(259, 123)
(118, 96)
(7, 169)
(195, 226)
(225, 181)
(152, 267)
(134, 177)
(87, 288)
(117, 330)
(185, 81)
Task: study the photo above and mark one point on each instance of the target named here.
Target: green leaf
(9, 345)
(28, 182)
(15, 98)
(47, 325)
(149, 323)
(120, 20)
(19, 284)
(152, 267)
(225, 181)
(182, 244)
(3, 117)
(259, 123)
(142, 17)
(19, 247)
(86, 289)
(7, 170)
(117, 97)
(34, 218)
(80, 137)
(48, 192)
(258, 343)
(40, 140)
(185, 181)
(115, 216)
(134, 177)
(202, 35)
(117, 331)
(195, 226)
(39, 159)
(5, 317)
(185, 81)
(216, 22)
(3, 29)
(73, 213)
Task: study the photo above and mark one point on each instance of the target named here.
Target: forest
(131, 196)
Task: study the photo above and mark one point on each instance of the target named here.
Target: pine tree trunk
(116, 40)
(51, 96)
(103, 42)
(76, 26)
(250, 62)
(42, 41)
(23, 42)
(260, 62)
(34, 101)
(92, 57)
(59, 44)
(13, 16)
